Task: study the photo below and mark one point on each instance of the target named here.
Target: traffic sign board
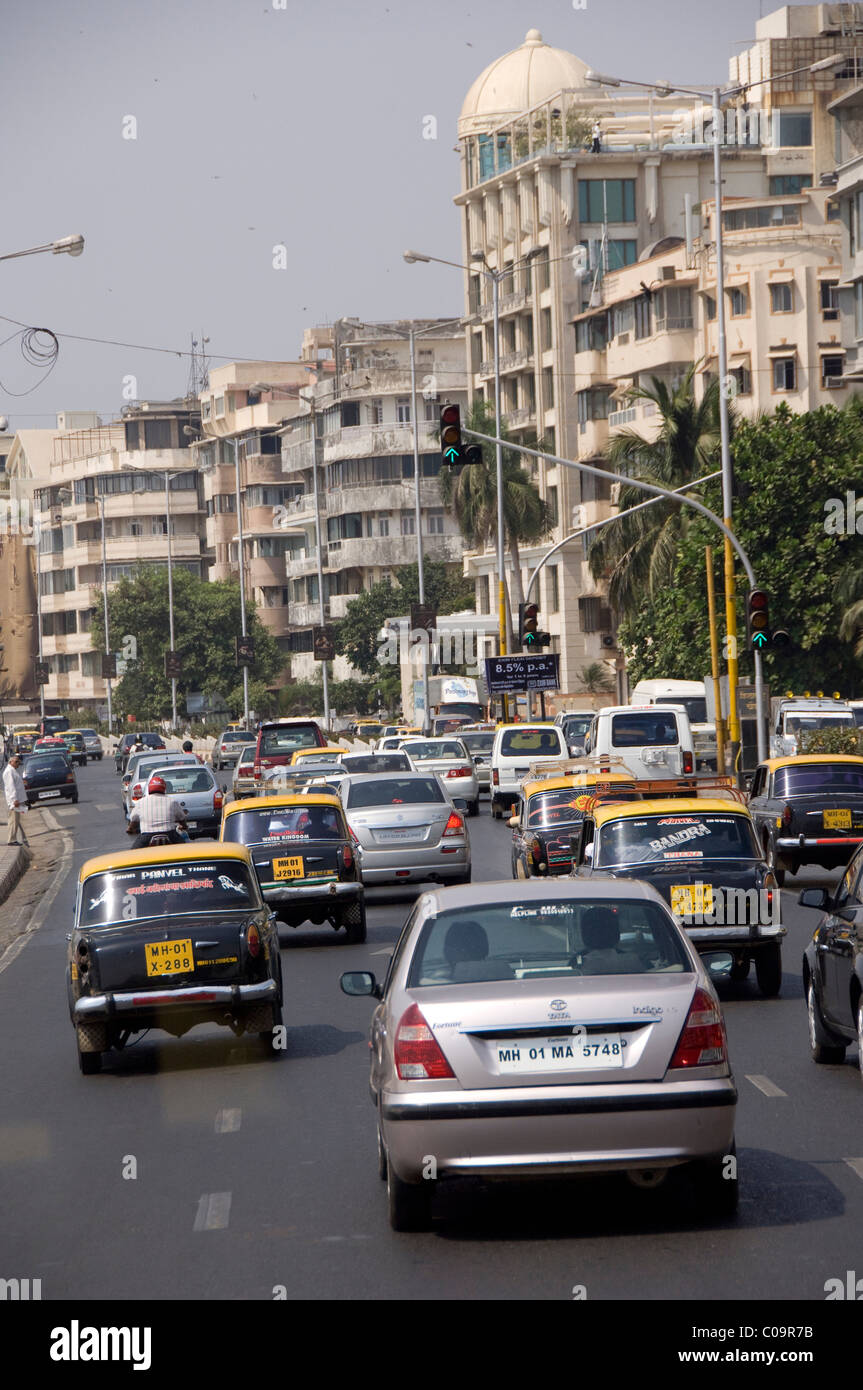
(324, 643)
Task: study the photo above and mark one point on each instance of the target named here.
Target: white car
(449, 759)
(518, 747)
(654, 741)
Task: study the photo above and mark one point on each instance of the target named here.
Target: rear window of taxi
(271, 827)
(814, 778)
(668, 839)
(161, 890)
(524, 940)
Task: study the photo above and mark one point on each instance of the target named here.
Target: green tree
(637, 552)
(206, 623)
(595, 678)
(357, 638)
(262, 700)
(471, 493)
(790, 473)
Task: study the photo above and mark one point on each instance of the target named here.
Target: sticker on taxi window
(679, 837)
(683, 854)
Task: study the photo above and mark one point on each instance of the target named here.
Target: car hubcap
(810, 1009)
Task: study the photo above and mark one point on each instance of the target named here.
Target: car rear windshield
(444, 748)
(516, 743)
(141, 766)
(282, 823)
(478, 743)
(289, 739)
(45, 762)
(237, 736)
(376, 762)
(668, 839)
(639, 730)
(247, 755)
(535, 938)
(167, 890)
(813, 779)
(577, 725)
(395, 791)
(182, 780)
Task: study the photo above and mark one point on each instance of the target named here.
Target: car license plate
(404, 834)
(169, 957)
(42, 795)
(192, 824)
(567, 1053)
(291, 867)
(687, 898)
(837, 820)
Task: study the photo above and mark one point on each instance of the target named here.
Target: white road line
(108, 806)
(766, 1086)
(856, 1165)
(214, 1210)
(228, 1121)
(387, 951)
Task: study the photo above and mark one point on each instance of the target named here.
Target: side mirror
(818, 898)
(357, 983)
(718, 964)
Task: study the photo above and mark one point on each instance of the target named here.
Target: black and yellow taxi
(168, 938)
(550, 809)
(808, 810)
(305, 858)
(702, 854)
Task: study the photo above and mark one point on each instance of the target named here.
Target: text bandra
(76, 1343)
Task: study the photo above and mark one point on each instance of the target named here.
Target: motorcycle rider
(157, 814)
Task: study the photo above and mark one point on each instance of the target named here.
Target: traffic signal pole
(242, 574)
(170, 598)
(655, 491)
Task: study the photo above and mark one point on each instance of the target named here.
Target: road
(198, 1169)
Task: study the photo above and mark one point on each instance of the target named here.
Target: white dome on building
(528, 75)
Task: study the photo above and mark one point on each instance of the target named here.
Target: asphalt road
(253, 1175)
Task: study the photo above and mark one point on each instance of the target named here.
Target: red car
(279, 739)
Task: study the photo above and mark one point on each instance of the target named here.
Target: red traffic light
(758, 618)
(450, 435)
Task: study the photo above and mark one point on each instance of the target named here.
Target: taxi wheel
(92, 1040)
(860, 1035)
(768, 970)
(740, 969)
(354, 922)
(770, 856)
(382, 1158)
(823, 1046)
(474, 808)
(409, 1203)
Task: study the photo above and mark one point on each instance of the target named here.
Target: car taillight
(353, 834)
(256, 770)
(418, 1056)
(70, 777)
(455, 824)
(702, 1042)
(536, 851)
(253, 940)
(460, 772)
(347, 857)
(495, 776)
(137, 792)
(218, 798)
(687, 762)
(26, 781)
(787, 814)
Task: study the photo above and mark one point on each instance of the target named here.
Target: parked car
(833, 967)
(808, 810)
(49, 777)
(167, 938)
(227, 748)
(547, 1029)
(407, 828)
(702, 855)
(304, 857)
(448, 759)
(517, 748)
(550, 809)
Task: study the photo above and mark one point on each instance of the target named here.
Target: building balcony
(339, 604)
(309, 614)
(390, 551)
(267, 571)
(674, 341)
(276, 620)
(360, 441)
(297, 457)
(300, 563)
(383, 497)
(301, 510)
(517, 419)
(131, 550)
(592, 437)
(509, 362)
(592, 364)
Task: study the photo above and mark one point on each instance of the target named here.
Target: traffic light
(450, 435)
(758, 620)
(173, 666)
(473, 453)
(529, 634)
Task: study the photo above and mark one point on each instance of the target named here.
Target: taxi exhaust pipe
(647, 1178)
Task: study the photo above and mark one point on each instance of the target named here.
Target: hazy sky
(260, 122)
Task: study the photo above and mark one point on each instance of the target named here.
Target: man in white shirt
(16, 800)
(156, 814)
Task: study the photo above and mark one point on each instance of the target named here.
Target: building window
(788, 185)
(674, 309)
(403, 410)
(644, 316)
(219, 404)
(621, 253)
(743, 379)
(135, 528)
(376, 412)
(409, 524)
(383, 525)
(552, 589)
(738, 299)
(831, 371)
(829, 293)
(545, 323)
(206, 408)
(785, 374)
(551, 502)
(548, 387)
(710, 307)
(483, 599)
(768, 215)
(435, 522)
(792, 128)
(159, 526)
(606, 200)
(592, 405)
(623, 318)
(157, 434)
(591, 335)
(832, 210)
(781, 298)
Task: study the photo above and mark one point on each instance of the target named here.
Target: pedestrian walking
(16, 800)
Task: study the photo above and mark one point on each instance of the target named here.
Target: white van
(693, 697)
(654, 741)
(517, 748)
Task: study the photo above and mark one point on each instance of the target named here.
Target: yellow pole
(714, 663)
(731, 637)
(501, 604)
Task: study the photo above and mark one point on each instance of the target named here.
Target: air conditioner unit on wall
(667, 272)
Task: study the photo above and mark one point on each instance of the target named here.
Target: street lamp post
(101, 500)
(240, 553)
(67, 245)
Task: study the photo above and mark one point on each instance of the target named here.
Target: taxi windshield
(265, 827)
(667, 839)
(167, 890)
(559, 807)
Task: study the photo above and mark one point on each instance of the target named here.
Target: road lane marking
(856, 1165)
(65, 811)
(103, 806)
(214, 1210)
(387, 951)
(766, 1086)
(228, 1121)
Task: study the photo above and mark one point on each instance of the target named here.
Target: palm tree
(596, 679)
(472, 495)
(636, 553)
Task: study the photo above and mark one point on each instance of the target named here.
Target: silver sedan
(407, 828)
(548, 1028)
(448, 759)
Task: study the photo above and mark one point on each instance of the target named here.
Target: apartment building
(113, 474)
(559, 219)
(847, 112)
(358, 437)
